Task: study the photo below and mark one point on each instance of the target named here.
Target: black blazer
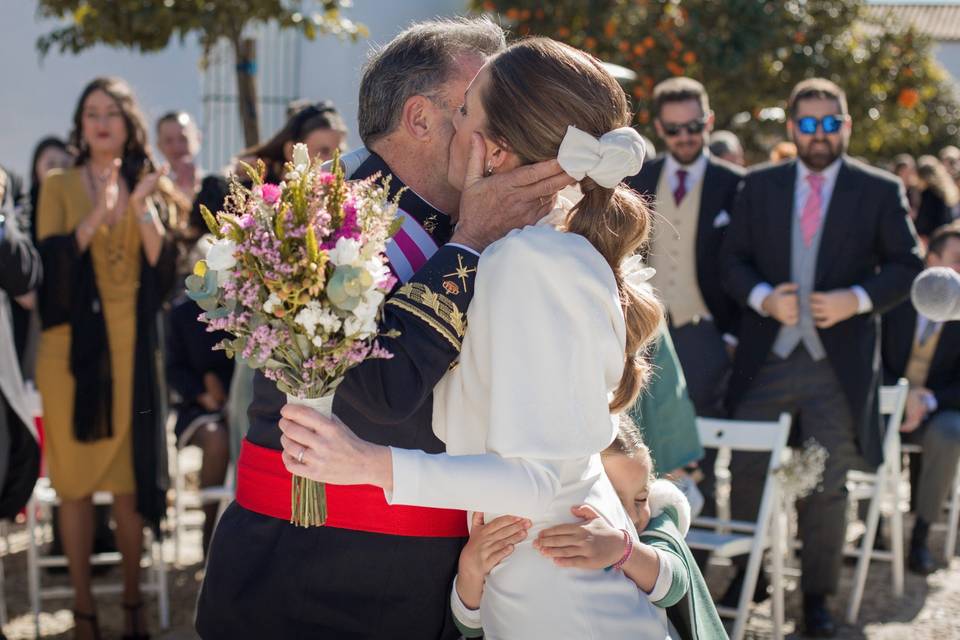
(899, 330)
(720, 182)
(932, 214)
(868, 240)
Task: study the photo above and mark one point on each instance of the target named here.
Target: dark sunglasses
(693, 127)
(831, 124)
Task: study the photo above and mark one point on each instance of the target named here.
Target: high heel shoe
(133, 616)
(89, 618)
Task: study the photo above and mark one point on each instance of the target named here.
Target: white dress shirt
(800, 194)
(695, 171)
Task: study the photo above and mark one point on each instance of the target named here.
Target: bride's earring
(489, 171)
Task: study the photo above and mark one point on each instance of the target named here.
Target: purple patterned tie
(681, 189)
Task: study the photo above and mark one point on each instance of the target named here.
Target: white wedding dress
(524, 416)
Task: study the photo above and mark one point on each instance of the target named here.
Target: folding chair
(183, 461)
(731, 538)
(42, 501)
(884, 485)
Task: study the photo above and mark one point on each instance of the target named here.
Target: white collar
(829, 174)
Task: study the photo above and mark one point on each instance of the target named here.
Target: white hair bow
(607, 161)
(635, 272)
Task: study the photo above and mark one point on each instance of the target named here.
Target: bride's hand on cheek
(326, 450)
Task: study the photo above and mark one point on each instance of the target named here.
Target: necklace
(114, 240)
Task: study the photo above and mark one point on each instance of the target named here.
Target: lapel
(780, 212)
(841, 212)
(707, 208)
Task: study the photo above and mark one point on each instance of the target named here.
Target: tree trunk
(245, 52)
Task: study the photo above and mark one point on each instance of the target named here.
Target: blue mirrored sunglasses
(831, 124)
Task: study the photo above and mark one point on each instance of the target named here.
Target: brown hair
(303, 122)
(537, 88)
(136, 160)
(939, 238)
(680, 89)
(816, 88)
(630, 443)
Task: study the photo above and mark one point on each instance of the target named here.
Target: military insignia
(430, 224)
(451, 287)
(462, 272)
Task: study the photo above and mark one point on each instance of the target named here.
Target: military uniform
(374, 570)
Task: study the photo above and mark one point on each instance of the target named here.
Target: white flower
(220, 258)
(313, 315)
(347, 252)
(368, 307)
(301, 157)
(359, 327)
(272, 302)
(377, 268)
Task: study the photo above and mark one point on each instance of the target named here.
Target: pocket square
(722, 220)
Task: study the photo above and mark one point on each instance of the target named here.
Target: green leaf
(210, 221)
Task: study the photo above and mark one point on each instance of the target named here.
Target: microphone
(936, 294)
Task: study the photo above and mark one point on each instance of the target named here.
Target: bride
(554, 348)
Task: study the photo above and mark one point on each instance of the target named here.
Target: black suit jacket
(867, 240)
(720, 182)
(899, 330)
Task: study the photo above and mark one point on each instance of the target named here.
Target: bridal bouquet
(296, 274)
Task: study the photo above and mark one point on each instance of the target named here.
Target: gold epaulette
(435, 309)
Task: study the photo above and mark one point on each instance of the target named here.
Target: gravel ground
(929, 610)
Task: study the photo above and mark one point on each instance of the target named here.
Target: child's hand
(489, 544)
(589, 544)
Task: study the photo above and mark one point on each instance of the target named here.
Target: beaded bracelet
(628, 551)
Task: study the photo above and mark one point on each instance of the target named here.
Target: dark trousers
(706, 367)
(940, 438)
(811, 393)
(267, 578)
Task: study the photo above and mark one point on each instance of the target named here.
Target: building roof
(938, 20)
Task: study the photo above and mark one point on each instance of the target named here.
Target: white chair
(183, 461)
(879, 487)
(953, 508)
(731, 538)
(42, 501)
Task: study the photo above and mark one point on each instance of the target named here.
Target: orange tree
(749, 53)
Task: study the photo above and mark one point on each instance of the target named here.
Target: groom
(377, 571)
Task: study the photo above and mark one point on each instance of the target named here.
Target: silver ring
(300, 457)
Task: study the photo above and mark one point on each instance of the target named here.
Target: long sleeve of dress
(544, 348)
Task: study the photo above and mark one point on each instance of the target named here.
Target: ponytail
(617, 223)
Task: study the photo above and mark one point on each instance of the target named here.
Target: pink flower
(326, 178)
(270, 193)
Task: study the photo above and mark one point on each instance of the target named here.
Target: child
(661, 565)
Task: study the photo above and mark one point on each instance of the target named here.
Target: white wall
(948, 55)
(37, 99)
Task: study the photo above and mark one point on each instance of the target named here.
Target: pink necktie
(681, 189)
(812, 209)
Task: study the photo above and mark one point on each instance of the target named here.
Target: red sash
(263, 486)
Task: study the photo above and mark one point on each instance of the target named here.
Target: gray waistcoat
(803, 271)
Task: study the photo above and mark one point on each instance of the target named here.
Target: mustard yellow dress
(78, 469)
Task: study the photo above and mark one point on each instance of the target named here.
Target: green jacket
(688, 603)
(664, 413)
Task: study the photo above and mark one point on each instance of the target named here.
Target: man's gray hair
(418, 62)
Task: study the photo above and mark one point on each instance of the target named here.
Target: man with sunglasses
(819, 247)
(694, 194)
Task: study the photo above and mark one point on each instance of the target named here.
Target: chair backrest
(744, 435)
(893, 401)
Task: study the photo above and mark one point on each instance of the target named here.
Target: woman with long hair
(319, 126)
(555, 346)
(109, 262)
(938, 196)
